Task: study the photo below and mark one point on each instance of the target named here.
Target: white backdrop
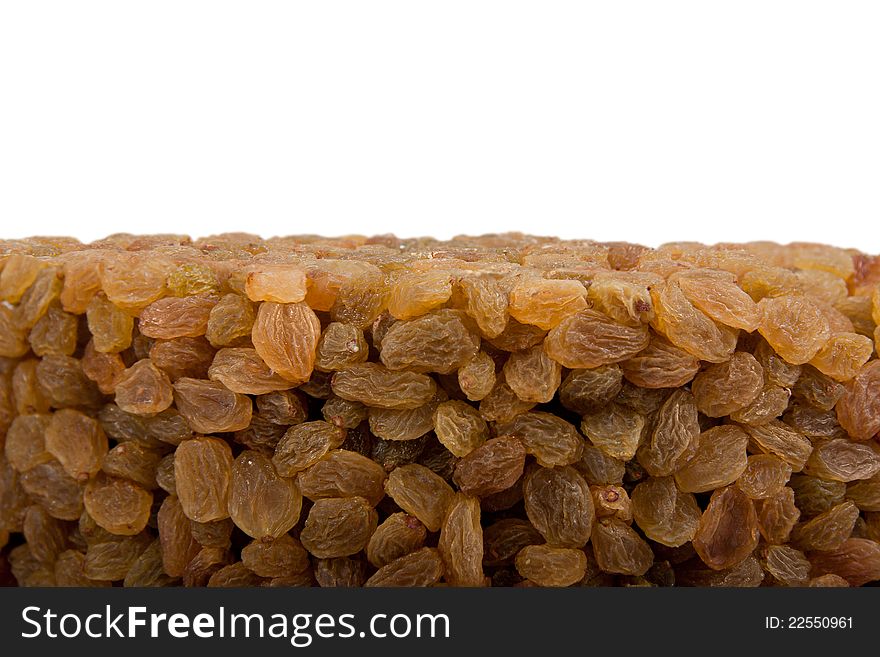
(644, 121)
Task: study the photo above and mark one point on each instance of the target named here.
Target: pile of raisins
(501, 410)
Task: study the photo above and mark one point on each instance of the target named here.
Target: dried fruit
(286, 336)
(143, 389)
(619, 549)
(399, 535)
(719, 460)
(476, 378)
(281, 556)
(210, 407)
(491, 468)
(828, 530)
(241, 370)
(262, 503)
(178, 547)
(794, 326)
(533, 375)
(304, 445)
(77, 441)
(461, 542)
(550, 439)
(615, 429)
(666, 407)
(674, 437)
(459, 427)
(203, 475)
(343, 474)
(374, 385)
(764, 476)
(341, 346)
(118, 505)
(559, 504)
(338, 526)
(680, 322)
(660, 365)
(858, 410)
(551, 566)
(423, 567)
(725, 388)
(590, 339)
(666, 515)
(583, 391)
(437, 342)
(728, 529)
(420, 492)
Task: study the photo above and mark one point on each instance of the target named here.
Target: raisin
(281, 556)
(728, 529)
(25, 441)
(660, 365)
(476, 378)
(674, 437)
(422, 567)
(342, 473)
(544, 302)
(619, 549)
(550, 439)
(203, 475)
(176, 317)
(666, 515)
(461, 542)
(399, 535)
(590, 339)
(417, 293)
(775, 437)
(857, 561)
(178, 547)
(286, 337)
(211, 407)
(338, 526)
(828, 530)
(584, 391)
(687, 327)
(77, 441)
(49, 485)
(615, 429)
(858, 410)
(794, 326)
(420, 492)
(230, 321)
(532, 375)
(111, 327)
(551, 566)
(262, 503)
(277, 283)
(437, 342)
(725, 388)
(304, 445)
(503, 540)
(374, 385)
(559, 504)
(403, 424)
(111, 560)
(491, 468)
(341, 346)
(143, 389)
(241, 370)
(56, 333)
(718, 461)
(118, 505)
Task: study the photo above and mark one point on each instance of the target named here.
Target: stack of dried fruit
(502, 410)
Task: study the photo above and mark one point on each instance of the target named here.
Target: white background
(643, 121)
